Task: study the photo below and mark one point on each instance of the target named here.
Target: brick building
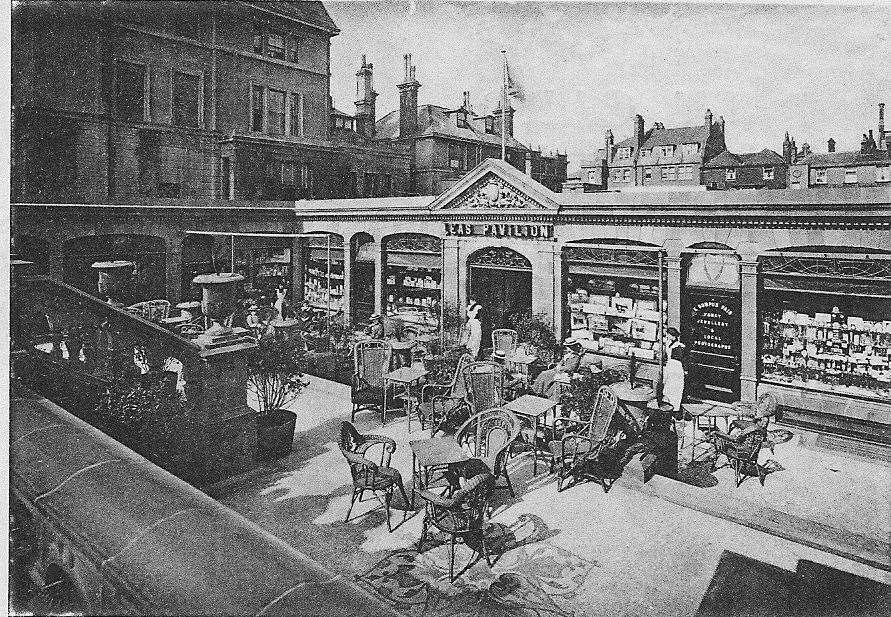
(762, 170)
(446, 143)
(659, 156)
(122, 101)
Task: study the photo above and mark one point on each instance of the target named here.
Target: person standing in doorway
(674, 348)
(472, 333)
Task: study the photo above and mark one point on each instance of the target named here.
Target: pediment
(495, 185)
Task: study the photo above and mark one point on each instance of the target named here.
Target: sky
(817, 71)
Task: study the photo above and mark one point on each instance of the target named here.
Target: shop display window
(316, 289)
(266, 266)
(413, 281)
(825, 328)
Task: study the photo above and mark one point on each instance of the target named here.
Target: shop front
(500, 280)
(825, 336)
(323, 272)
(412, 275)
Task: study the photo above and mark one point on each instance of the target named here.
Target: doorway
(501, 282)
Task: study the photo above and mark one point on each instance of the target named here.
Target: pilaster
(451, 283)
(748, 270)
(672, 264)
(379, 265)
(546, 286)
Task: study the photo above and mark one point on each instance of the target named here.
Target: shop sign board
(500, 230)
(713, 327)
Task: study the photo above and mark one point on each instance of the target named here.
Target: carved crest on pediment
(493, 192)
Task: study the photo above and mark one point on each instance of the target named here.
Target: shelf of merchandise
(413, 296)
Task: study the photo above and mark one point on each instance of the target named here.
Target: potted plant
(535, 331)
(276, 368)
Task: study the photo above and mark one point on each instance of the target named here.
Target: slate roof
(673, 136)
(750, 159)
(313, 13)
(435, 120)
(848, 158)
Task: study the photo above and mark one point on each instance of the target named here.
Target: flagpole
(503, 104)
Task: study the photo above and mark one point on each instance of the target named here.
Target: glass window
(275, 46)
(768, 173)
(883, 173)
(624, 153)
(275, 112)
(296, 112)
(131, 91)
(819, 176)
(293, 49)
(851, 175)
(672, 173)
(258, 42)
(648, 173)
(685, 172)
(667, 150)
(730, 174)
(257, 93)
(186, 97)
(626, 175)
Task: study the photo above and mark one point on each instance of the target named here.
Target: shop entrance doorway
(710, 326)
(501, 282)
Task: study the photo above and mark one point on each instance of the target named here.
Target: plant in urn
(114, 276)
(218, 303)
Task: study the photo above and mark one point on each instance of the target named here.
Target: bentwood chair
(460, 516)
(577, 445)
(371, 361)
(379, 478)
(741, 447)
(444, 403)
(487, 436)
(484, 384)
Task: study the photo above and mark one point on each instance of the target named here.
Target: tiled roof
(728, 159)
(434, 120)
(841, 159)
(666, 137)
(337, 112)
(313, 13)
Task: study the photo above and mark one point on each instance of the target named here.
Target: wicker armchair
(741, 447)
(371, 361)
(153, 310)
(379, 478)
(760, 411)
(576, 445)
(484, 382)
(442, 403)
(487, 437)
(460, 516)
(504, 339)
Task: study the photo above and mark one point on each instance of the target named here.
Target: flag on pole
(514, 88)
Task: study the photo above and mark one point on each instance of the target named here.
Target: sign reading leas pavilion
(499, 230)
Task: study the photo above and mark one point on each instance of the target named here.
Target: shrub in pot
(276, 368)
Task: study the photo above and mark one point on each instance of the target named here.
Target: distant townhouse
(869, 166)
(757, 170)
(448, 142)
(659, 156)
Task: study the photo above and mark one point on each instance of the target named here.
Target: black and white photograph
(448, 308)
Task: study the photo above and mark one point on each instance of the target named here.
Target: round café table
(634, 400)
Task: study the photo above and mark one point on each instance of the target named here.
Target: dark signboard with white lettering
(500, 230)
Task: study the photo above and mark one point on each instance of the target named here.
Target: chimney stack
(466, 103)
(638, 133)
(504, 119)
(830, 145)
(365, 111)
(708, 118)
(528, 163)
(883, 138)
(408, 100)
(787, 149)
(609, 144)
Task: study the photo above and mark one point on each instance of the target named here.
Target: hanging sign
(500, 230)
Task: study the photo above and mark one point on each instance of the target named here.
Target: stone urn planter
(114, 277)
(219, 302)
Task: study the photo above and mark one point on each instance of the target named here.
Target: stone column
(545, 287)
(379, 277)
(748, 374)
(347, 280)
(297, 270)
(450, 283)
(672, 263)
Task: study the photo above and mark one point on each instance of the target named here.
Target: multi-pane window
(296, 114)
(730, 173)
(257, 99)
(670, 173)
(624, 153)
(819, 176)
(130, 95)
(690, 150)
(275, 46)
(275, 112)
(685, 172)
(293, 50)
(883, 173)
(186, 99)
(768, 173)
(851, 175)
(626, 175)
(666, 150)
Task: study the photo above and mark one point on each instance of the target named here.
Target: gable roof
(725, 159)
(667, 137)
(310, 13)
(511, 176)
(841, 159)
(750, 159)
(436, 120)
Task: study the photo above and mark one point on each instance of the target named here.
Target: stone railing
(182, 406)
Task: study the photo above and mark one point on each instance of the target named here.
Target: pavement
(656, 548)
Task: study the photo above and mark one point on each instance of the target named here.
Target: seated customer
(569, 364)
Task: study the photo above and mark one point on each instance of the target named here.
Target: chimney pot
(830, 145)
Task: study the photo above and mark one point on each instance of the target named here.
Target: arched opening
(202, 254)
(612, 297)
(33, 249)
(149, 253)
(265, 262)
(823, 312)
(362, 277)
(710, 321)
(413, 280)
(323, 257)
(501, 282)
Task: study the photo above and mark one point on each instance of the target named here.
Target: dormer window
(690, 149)
(624, 153)
(666, 150)
(461, 119)
(275, 45)
(490, 125)
(730, 173)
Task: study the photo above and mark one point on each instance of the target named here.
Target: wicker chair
(484, 382)
(504, 339)
(371, 361)
(760, 411)
(379, 478)
(460, 516)
(741, 447)
(153, 310)
(487, 436)
(576, 445)
(442, 403)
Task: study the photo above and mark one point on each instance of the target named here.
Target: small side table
(407, 376)
(710, 410)
(430, 455)
(533, 407)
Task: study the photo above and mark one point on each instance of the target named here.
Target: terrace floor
(815, 534)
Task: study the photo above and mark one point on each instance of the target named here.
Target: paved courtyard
(632, 551)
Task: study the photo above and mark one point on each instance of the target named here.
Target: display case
(826, 325)
(413, 281)
(316, 288)
(612, 301)
(265, 268)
